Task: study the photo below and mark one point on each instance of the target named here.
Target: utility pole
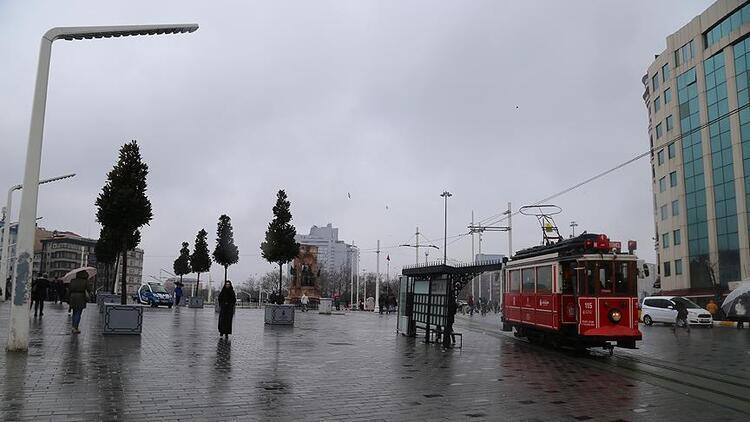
(417, 246)
(351, 287)
(510, 231)
(481, 258)
(377, 281)
(473, 257)
(445, 195)
(573, 226)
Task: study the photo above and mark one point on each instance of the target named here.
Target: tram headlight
(615, 315)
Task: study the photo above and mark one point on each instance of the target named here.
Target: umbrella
(90, 272)
(732, 297)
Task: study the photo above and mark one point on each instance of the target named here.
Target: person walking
(78, 294)
(304, 300)
(712, 308)
(60, 288)
(470, 305)
(449, 339)
(682, 314)
(39, 289)
(177, 294)
(227, 301)
(383, 303)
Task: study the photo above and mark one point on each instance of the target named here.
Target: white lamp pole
(18, 334)
(6, 228)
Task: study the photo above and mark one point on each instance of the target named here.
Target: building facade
(65, 251)
(334, 255)
(696, 94)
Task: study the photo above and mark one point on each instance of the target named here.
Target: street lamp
(445, 195)
(18, 334)
(6, 226)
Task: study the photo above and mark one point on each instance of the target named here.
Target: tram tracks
(716, 388)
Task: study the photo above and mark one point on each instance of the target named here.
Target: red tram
(578, 292)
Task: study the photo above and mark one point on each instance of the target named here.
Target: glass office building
(697, 97)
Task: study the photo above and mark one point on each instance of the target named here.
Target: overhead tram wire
(504, 217)
(625, 163)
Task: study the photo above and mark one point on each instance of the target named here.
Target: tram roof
(571, 246)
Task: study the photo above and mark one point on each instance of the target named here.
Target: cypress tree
(200, 261)
(280, 246)
(226, 252)
(123, 207)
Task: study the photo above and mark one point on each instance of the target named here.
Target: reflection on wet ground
(336, 367)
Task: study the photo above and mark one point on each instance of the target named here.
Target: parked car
(154, 294)
(664, 309)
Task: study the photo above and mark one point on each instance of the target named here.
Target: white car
(663, 309)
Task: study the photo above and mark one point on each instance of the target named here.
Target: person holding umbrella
(79, 293)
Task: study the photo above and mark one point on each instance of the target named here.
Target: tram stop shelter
(424, 292)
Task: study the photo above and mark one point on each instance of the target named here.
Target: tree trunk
(197, 284)
(124, 283)
(225, 274)
(280, 276)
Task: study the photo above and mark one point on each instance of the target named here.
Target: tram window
(605, 277)
(569, 278)
(591, 277)
(527, 275)
(515, 281)
(621, 278)
(544, 279)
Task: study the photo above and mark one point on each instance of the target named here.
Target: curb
(725, 324)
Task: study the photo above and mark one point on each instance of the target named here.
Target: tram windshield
(607, 278)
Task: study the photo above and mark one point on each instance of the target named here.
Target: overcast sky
(389, 101)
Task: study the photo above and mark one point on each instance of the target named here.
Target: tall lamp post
(445, 195)
(6, 227)
(18, 334)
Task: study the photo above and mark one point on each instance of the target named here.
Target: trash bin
(326, 304)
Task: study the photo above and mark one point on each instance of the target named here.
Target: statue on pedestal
(305, 274)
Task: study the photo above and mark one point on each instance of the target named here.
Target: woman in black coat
(227, 300)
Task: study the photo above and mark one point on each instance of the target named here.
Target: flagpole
(377, 282)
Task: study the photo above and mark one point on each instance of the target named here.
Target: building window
(659, 131)
(665, 240)
(673, 179)
(675, 208)
(730, 23)
(671, 151)
(670, 123)
(655, 82)
(663, 184)
(665, 72)
(667, 269)
(684, 54)
(677, 267)
(664, 212)
(660, 156)
(667, 95)
(677, 237)
(657, 104)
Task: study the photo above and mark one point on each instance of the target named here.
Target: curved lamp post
(6, 227)
(18, 334)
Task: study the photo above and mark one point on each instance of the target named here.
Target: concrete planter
(123, 319)
(195, 302)
(103, 298)
(326, 305)
(279, 314)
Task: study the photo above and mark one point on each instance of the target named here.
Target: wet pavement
(338, 367)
